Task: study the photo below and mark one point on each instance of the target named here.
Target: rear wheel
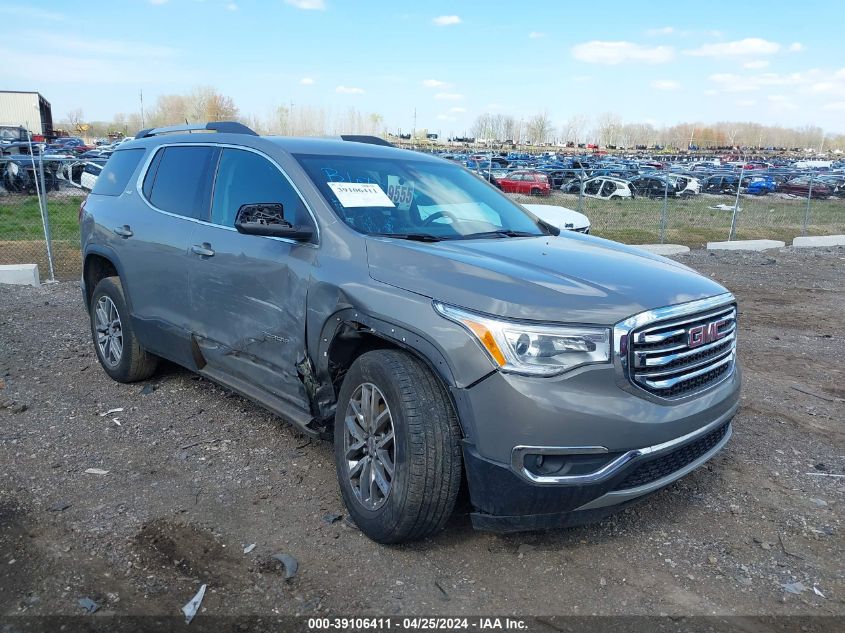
(397, 447)
(118, 350)
(535, 192)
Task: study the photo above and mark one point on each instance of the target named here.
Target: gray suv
(437, 332)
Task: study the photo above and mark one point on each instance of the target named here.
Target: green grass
(692, 222)
(20, 218)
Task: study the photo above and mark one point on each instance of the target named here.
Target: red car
(530, 182)
(801, 187)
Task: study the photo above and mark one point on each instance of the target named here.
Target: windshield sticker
(400, 191)
(360, 195)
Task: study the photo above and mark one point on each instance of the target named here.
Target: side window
(117, 172)
(179, 180)
(247, 178)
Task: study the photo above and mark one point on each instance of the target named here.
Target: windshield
(409, 198)
(10, 133)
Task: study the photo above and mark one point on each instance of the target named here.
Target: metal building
(28, 109)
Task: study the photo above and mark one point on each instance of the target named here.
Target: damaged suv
(410, 312)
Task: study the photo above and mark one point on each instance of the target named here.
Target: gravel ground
(194, 474)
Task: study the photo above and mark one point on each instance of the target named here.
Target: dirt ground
(195, 474)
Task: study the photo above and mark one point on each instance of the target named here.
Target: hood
(559, 216)
(571, 278)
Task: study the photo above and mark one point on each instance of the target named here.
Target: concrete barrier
(20, 274)
(745, 245)
(664, 249)
(819, 240)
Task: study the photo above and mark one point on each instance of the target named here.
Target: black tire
(134, 362)
(427, 450)
(535, 192)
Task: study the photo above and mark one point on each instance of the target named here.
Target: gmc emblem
(707, 333)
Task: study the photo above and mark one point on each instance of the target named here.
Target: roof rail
(223, 127)
(371, 140)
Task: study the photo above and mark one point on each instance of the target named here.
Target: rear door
(177, 190)
(248, 292)
(152, 241)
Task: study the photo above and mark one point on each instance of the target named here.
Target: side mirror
(268, 220)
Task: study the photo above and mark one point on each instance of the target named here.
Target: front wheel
(397, 447)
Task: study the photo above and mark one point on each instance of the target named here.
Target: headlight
(542, 350)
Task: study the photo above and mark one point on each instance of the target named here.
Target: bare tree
(540, 128)
(75, 119)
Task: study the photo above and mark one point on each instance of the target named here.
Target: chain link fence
(694, 220)
(40, 199)
(39, 213)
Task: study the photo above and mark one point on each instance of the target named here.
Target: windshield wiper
(416, 237)
(500, 233)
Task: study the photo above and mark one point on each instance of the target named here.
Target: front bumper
(507, 502)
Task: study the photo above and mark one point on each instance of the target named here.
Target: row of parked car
(68, 161)
(609, 177)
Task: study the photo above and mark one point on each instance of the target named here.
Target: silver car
(397, 305)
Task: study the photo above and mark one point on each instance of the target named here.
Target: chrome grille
(677, 357)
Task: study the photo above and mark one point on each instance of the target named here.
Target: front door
(248, 292)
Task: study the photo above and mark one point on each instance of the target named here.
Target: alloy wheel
(369, 446)
(109, 331)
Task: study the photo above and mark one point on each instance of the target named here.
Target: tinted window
(117, 172)
(180, 184)
(247, 178)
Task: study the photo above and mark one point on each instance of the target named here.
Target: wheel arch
(349, 333)
(98, 264)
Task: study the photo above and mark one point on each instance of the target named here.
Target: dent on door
(249, 307)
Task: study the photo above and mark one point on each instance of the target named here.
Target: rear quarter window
(117, 172)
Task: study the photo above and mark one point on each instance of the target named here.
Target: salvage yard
(133, 496)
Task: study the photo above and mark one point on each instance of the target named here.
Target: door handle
(123, 231)
(203, 250)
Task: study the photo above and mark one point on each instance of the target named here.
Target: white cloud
(457, 110)
(307, 81)
(347, 90)
(732, 82)
(665, 84)
(434, 83)
(756, 64)
(536, 35)
(782, 102)
(747, 47)
(307, 5)
(746, 103)
(447, 20)
(796, 47)
(835, 106)
(103, 47)
(32, 13)
(159, 2)
(445, 117)
(448, 96)
(612, 53)
(710, 92)
(102, 70)
(666, 30)
(232, 6)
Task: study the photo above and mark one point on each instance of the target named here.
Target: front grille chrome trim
(709, 365)
(639, 358)
(643, 361)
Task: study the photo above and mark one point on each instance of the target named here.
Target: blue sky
(656, 62)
